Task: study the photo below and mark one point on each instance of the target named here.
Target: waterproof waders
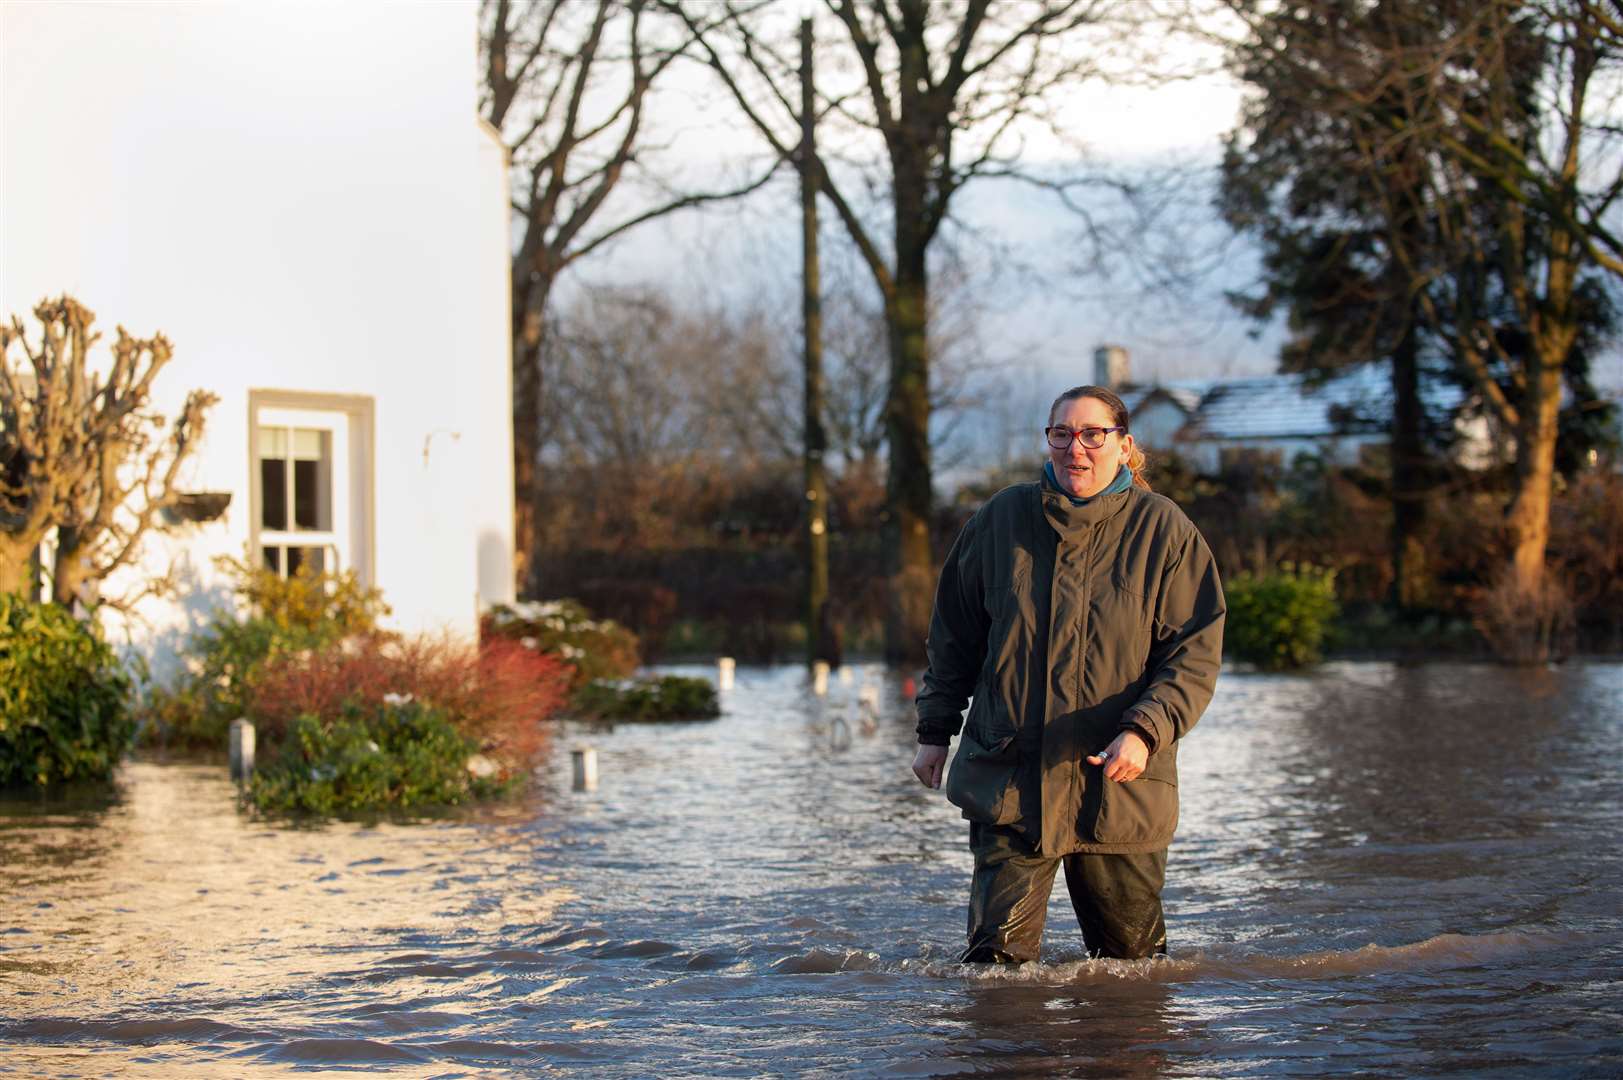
(1117, 899)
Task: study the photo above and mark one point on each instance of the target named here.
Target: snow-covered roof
(1289, 405)
(1185, 393)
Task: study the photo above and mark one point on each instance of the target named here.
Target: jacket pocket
(1142, 811)
(981, 781)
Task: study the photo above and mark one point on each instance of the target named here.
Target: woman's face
(1083, 472)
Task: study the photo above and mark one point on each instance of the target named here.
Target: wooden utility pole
(817, 620)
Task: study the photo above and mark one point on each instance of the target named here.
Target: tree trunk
(15, 565)
(1410, 466)
(529, 335)
(1554, 325)
(1528, 518)
(908, 564)
(819, 625)
(70, 573)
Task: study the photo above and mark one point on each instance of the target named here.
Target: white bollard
(585, 768)
(820, 677)
(839, 734)
(868, 710)
(724, 673)
(846, 678)
(242, 749)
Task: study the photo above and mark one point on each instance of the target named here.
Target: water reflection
(1396, 800)
(1095, 1024)
(169, 888)
(1380, 869)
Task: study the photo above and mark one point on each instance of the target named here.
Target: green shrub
(596, 648)
(397, 756)
(671, 697)
(305, 611)
(1278, 620)
(63, 697)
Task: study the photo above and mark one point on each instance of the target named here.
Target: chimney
(1110, 367)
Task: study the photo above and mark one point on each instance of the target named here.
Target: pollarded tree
(81, 455)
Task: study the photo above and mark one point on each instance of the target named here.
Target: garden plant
(350, 717)
(1278, 620)
(303, 612)
(668, 697)
(596, 648)
(64, 697)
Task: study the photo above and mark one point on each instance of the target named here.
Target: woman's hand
(928, 764)
(1123, 759)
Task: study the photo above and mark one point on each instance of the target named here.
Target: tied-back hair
(1118, 414)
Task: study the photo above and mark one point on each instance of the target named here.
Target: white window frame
(349, 421)
(335, 542)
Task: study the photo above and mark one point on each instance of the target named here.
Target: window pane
(312, 479)
(273, 559)
(311, 444)
(273, 442)
(272, 493)
(313, 557)
(312, 500)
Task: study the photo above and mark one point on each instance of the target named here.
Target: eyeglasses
(1092, 437)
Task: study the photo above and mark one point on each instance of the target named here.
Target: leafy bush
(285, 616)
(398, 755)
(671, 697)
(596, 648)
(1278, 620)
(63, 697)
(497, 693)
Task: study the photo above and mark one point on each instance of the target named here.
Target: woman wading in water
(1084, 615)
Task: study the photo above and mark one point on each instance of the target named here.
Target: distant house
(306, 202)
(1211, 421)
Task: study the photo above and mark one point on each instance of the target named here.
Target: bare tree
(857, 340)
(569, 84)
(80, 454)
(637, 380)
(949, 89)
(659, 412)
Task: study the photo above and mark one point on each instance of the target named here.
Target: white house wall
(302, 199)
(1156, 425)
(1206, 454)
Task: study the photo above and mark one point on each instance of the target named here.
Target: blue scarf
(1123, 481)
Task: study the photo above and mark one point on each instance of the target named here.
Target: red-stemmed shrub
(498, 692)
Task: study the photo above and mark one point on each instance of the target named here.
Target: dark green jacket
(1068, 624)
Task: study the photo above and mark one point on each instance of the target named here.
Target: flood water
(1380, 870)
